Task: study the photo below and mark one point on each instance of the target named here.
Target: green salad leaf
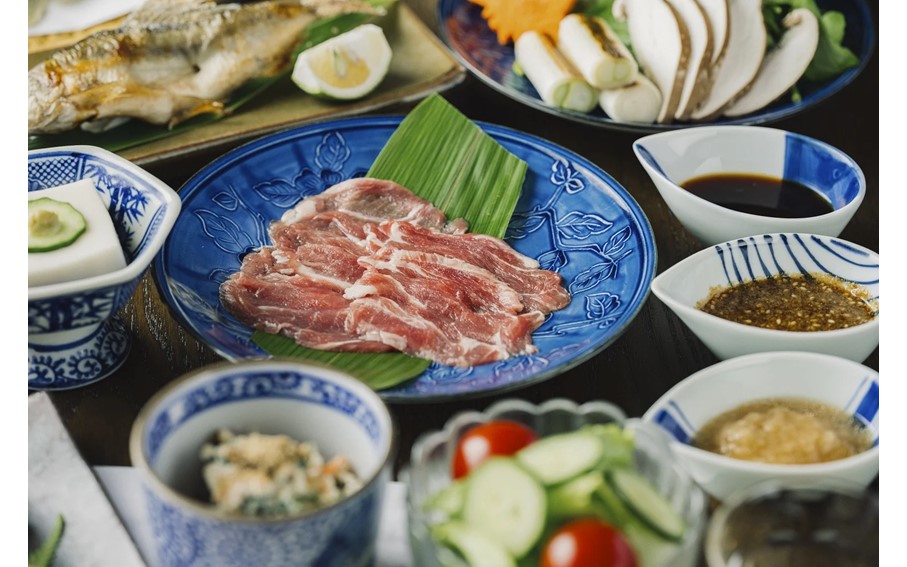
(832, 58)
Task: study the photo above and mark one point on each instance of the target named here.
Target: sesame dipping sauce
(784, 431)
(814, 302)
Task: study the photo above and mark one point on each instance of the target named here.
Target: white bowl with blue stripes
(673, 158)
(689, 281)
(841, 383)
(339, 414)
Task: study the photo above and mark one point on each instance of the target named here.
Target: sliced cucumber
(561, 457)
(53, 224)
(476, 548)
(505, 503)
(449, 499)
(650, 507)
(576, 497)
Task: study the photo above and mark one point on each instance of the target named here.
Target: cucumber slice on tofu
(476, 548)
(651, 508)
(53, 224)
(505, 503)
(561, 457)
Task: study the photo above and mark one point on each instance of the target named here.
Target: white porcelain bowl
(696, 400)
(688, 282)
(429, 469)
(74, 335)
(673, 158)
(339, 414)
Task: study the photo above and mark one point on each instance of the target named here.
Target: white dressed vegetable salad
(273, 475)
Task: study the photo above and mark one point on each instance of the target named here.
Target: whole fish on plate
(170, 60)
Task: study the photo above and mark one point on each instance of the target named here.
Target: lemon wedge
(345, 67)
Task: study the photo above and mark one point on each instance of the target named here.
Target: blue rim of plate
(478, 50)
(572, 216)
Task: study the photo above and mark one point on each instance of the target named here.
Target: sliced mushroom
(742, 58)
(783, 65)
(696, 83)
(717, 13)
(661, 44)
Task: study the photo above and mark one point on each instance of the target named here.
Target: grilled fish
(170, 60)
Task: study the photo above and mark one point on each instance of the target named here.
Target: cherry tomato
(500, 437)
(587, 543)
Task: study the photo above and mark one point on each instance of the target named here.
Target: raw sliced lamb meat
(428, 317)
(369, 266)
(373, 200)
(270, 295)
(540, 289)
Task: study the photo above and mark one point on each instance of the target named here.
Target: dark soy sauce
(760, 195)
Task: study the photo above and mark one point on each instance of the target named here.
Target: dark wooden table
(654, 353)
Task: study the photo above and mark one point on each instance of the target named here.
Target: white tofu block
(97, 251)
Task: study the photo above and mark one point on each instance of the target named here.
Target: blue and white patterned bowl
(673, 158)
(832, 380)
(689, 281)
(74, 337)
(338, 413)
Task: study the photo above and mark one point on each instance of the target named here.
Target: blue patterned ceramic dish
(429, 469)
(823, 378)
(673, 158)
(74, 337)
(467, 34)
(572, 217)
(691, 280)
(338, 413)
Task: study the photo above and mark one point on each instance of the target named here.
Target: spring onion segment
(637, 102)
(590, 44)
(558, 83)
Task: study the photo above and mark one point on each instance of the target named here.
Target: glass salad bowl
(429, 481)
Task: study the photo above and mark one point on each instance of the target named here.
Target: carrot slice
(510, 18)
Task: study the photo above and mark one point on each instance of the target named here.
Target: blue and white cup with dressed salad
(337, 416)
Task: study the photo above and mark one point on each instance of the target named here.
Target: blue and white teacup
(339, 414)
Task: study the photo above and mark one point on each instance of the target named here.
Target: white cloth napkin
(60, 483)
(74, 15)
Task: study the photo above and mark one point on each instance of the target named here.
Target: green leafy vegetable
(832, 58)
(44, 555)
(442, 156)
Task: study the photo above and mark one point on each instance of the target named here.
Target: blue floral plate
(467, 34)
(572, 216)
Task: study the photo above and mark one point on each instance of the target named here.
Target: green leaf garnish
(44, 555)
(832, 58)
